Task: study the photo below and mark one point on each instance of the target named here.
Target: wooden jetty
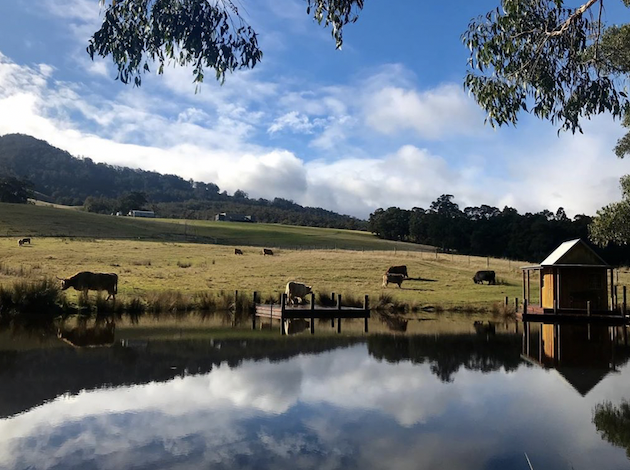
(286, 313)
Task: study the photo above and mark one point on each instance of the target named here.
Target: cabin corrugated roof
(555, 258)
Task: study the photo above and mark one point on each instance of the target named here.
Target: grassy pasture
(146, 268)
(22, 220)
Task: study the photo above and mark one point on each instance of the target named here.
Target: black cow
(488, 276)
(85, 281)
(398, 270)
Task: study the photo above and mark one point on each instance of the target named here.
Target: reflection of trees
(29, 378)
(613, 423)
(447, 353)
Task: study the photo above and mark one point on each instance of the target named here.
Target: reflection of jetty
(575, 285)
(286, 314)
(582, 354)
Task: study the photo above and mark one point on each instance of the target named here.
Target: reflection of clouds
(339, 409)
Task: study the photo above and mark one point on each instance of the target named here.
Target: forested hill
(62, 178)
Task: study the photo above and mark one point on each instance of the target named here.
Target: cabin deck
(536, 313)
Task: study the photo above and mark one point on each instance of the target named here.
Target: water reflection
(468, 401)
(582, 354)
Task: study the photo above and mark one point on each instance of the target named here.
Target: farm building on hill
(570, 277)
(138, 213)
(233, 217)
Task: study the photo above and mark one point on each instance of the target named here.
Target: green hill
(22, 220)
(61, 178)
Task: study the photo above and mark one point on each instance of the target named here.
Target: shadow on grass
(421, 279)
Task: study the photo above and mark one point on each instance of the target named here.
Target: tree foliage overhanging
(139, 34)
(560, 61)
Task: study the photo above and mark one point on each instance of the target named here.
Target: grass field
(149, 262)
(20, 220)
(147, 267)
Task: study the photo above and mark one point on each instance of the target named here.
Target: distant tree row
(486, 230)
(61, 178)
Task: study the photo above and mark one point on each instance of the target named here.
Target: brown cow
(394, 279)
(238, 251)
(85, 281)
(267, 251)
(398, 270)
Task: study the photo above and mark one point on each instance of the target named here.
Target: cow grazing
(393, 278)
(267, 251)
(297, 290)
(20, 242)
(398, 270)
(86, 281)
(238, 251)
(488, 276)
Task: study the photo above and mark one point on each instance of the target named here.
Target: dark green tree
(15, 190)
(612, 222)
(134, 200)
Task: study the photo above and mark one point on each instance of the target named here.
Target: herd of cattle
(296, 291)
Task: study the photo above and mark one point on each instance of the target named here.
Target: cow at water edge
(86, 281)
(297, 290)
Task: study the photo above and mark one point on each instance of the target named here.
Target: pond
(479, 396)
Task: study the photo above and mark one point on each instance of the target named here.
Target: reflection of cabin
(569, 278)
(224, 216)
(582, 354)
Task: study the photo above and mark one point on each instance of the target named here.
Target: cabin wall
(548, 287)
(579, 285)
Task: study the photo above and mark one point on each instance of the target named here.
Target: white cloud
(441, 112)
(294, 121)
(213, 138)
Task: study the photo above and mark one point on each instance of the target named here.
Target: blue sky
(385, 121)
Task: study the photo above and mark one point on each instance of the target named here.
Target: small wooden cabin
(571, 277)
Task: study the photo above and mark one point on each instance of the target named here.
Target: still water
(487, 398)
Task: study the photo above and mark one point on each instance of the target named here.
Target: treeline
(58, 177)
(487, 230)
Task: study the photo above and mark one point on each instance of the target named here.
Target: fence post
(282, 306)
(624, 306)
(616, 299)
(254, 313)
(312, 314)
(588, 308)
(235, 301)
(366, 307)
(332, 320)
(516, 304)
(339, 309)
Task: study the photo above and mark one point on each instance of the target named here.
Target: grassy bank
(147, 269)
